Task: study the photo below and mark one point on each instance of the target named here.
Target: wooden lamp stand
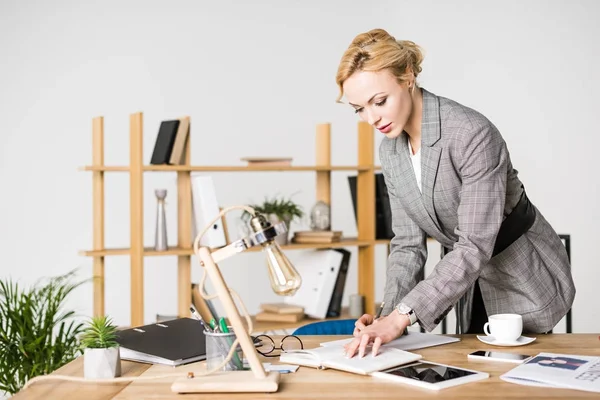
(256, 380)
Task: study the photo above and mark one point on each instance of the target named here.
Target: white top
(416, 162)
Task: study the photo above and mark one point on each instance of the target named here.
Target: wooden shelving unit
(365, 242)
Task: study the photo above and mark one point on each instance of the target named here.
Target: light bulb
(285, 280)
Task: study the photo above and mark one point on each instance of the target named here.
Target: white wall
(255, 80)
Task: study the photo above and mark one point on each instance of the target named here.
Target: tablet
(431, 375)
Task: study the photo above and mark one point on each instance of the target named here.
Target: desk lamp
(285, 281)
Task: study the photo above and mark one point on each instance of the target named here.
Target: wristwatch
(403, 309)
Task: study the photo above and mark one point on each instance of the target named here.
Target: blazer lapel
(420, 205)
(430, 155)
(409, 192)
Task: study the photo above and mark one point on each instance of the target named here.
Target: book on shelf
(178, 152)
(265, 316)
(281, 308)
(317, 236)
(334, 357)
(554, 370)
(311, 233)
(176, 342)
(165, 139)
(268, 161)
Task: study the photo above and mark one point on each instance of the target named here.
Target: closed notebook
(333, 357)
(174, 342)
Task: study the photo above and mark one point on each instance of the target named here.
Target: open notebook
(333, 357)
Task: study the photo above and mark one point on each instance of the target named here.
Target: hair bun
(372, 36)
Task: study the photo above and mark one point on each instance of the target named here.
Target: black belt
(520, 219)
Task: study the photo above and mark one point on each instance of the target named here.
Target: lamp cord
(204, 295)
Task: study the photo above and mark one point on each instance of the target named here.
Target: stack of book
(171, 140)
(280, 312)
(317, 236)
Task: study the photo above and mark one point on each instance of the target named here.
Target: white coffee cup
(504, 327)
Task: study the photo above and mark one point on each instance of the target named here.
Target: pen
(196, 315)
(213, 325)
(380, 310)
(225, 329)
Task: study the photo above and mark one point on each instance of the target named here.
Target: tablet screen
(431, 373)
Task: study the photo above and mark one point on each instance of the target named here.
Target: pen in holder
(218, 345)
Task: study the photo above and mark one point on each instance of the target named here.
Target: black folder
(176, 342)
(164, 142)
(383, 211)
(335, 305)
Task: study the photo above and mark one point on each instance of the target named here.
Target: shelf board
(231, 168)
(105, 252)
(104, 168)
(179, 251)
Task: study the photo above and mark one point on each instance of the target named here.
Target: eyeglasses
(265, 344)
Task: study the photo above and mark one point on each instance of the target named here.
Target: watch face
(404, 309)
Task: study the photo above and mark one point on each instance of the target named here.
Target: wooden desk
(308, 383)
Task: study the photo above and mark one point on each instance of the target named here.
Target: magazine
(566, 371)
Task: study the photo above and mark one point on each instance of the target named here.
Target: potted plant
(101, 358)
(278, 210)
(38, 334)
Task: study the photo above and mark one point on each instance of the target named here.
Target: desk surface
(309, 383)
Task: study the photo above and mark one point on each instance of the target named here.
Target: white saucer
(521, 341)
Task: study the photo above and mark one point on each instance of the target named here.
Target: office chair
(566, 239)
(335, 327)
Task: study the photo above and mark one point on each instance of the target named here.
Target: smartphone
(498, 356)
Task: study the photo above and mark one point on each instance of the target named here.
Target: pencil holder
(218, 345)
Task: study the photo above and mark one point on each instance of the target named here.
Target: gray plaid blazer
(469, 187)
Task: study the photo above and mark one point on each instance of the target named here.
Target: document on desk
(412, 341)
(333, 357)
(567, 371)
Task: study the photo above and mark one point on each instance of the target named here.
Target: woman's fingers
(376, 345)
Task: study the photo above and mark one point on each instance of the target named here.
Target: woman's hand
(382, 331)
(362, 323)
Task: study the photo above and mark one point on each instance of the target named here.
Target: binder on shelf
(164, 142)
(383, 211)
(176, 342)
(319, 271)
(205, 208)
(335, 305)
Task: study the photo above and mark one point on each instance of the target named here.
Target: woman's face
(380, 100)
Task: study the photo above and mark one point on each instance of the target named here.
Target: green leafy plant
(37, 335)
(100, 333)
(284, 209)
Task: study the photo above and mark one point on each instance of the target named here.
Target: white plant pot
(282, 239)
(101, 363)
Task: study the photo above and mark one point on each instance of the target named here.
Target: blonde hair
(376, 50)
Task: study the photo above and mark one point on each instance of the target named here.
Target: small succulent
(100, 333)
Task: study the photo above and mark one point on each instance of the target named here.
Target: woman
(449, 175)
